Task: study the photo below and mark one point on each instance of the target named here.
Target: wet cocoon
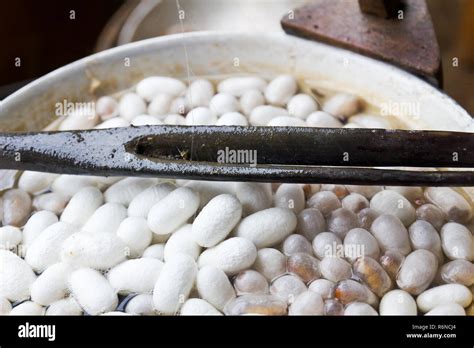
(174, 284)
(173, 210)
(270, 262)
(16, 277)
(267, 227)
(232, 255)
(135, 276)
(92, 291)
(216, 220)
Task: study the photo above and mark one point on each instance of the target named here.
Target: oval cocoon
(267, 227)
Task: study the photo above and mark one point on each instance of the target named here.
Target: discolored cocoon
(391, 234)
(296, 243)
(310, 222)
(355, 202)
(373, 275)
(304, 266)
(424, 236)
(256, 305)
(348, 290)
(432, 214)
(271, 263)
(287, 287)
(341, 221)
(324, 201)
(366, 217)
(451, 203)
(250, 282)
(458, 271)
(333, 307)
(16, 207)
(391, 262)
(417, 271)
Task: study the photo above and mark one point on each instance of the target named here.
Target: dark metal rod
(282, 154)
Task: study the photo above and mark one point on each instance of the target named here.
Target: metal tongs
(234, 153)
